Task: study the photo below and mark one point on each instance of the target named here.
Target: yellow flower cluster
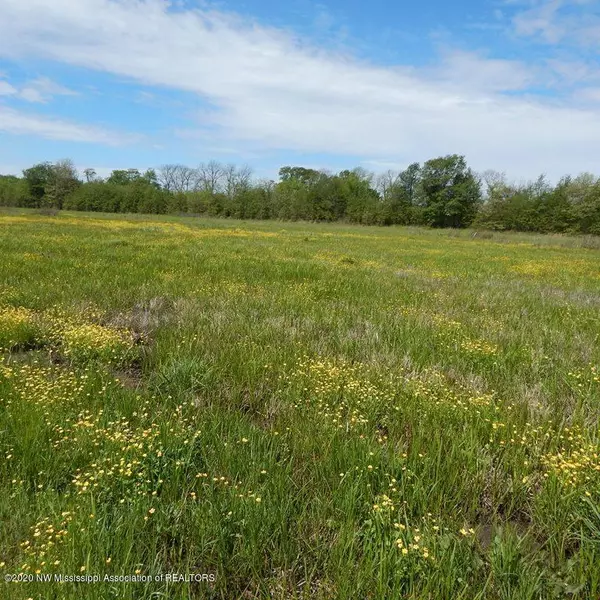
(340, 393)
(431, 317)
(413, 542)
(125, 453)
(414, 546)
(432, 387)
(451, 332)
(409, 540)
(532, 268)
(586, 379)
(528, 436)
(475, 346)
(43, 386)
(576, 463)
(383, 503)
(337, 260)
(351, 396)
(18, 326)
(86, 342)
(79, 338)
(550, 269)
(40, 550)
(15, 315)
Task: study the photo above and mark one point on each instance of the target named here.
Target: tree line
(442, 192)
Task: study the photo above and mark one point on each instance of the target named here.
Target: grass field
(297, 411)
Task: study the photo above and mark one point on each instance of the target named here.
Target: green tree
(50, 184)
(302, 175)
(409, 181)
(555, 213)
(124, 176)
(63, 181)
(583, 196)
(97, 196)
(361, 203)
(13, 191)
(400, 196)
(151, 178)
(450, 191)
(37, 177)
(259, 200)
(292, 193)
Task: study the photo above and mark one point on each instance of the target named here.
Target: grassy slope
(305, 411)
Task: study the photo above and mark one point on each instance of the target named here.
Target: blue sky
(512, 84)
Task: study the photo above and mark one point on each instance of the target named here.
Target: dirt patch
(131, 378)
(145, 317)
(487, 530)
(28, 356)
(47, 211)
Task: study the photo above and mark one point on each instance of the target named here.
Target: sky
(513, 85)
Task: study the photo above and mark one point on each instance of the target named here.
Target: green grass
(298, 410)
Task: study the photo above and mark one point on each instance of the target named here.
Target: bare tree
(245, 176)
(541, 186)
(66, 168)
(385, 182)
(90, 174)
(188, 178)
(494, 181)
(229, 174)
(211, 176)
(166, 176)
(580, 187)
(363, 174)
(236, 179)
(177, 178)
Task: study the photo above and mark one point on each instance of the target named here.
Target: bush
(13, 191)
(96, 196)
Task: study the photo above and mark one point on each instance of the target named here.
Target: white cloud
(38, 90)
(469, 71)
(32, 95)
(43, 90)
(21, 123)
(46, 86)
(572, 72)
(541, 19)
(272, 90)
(568, 22)
(6, 89)
(590, 94)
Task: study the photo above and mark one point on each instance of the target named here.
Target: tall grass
(296, 411)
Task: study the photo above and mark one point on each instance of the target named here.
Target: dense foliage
(573, 206)
(443, 192)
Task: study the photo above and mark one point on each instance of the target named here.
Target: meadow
(294, 410)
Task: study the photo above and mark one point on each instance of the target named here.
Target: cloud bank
(271, 90)
(23, 123)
